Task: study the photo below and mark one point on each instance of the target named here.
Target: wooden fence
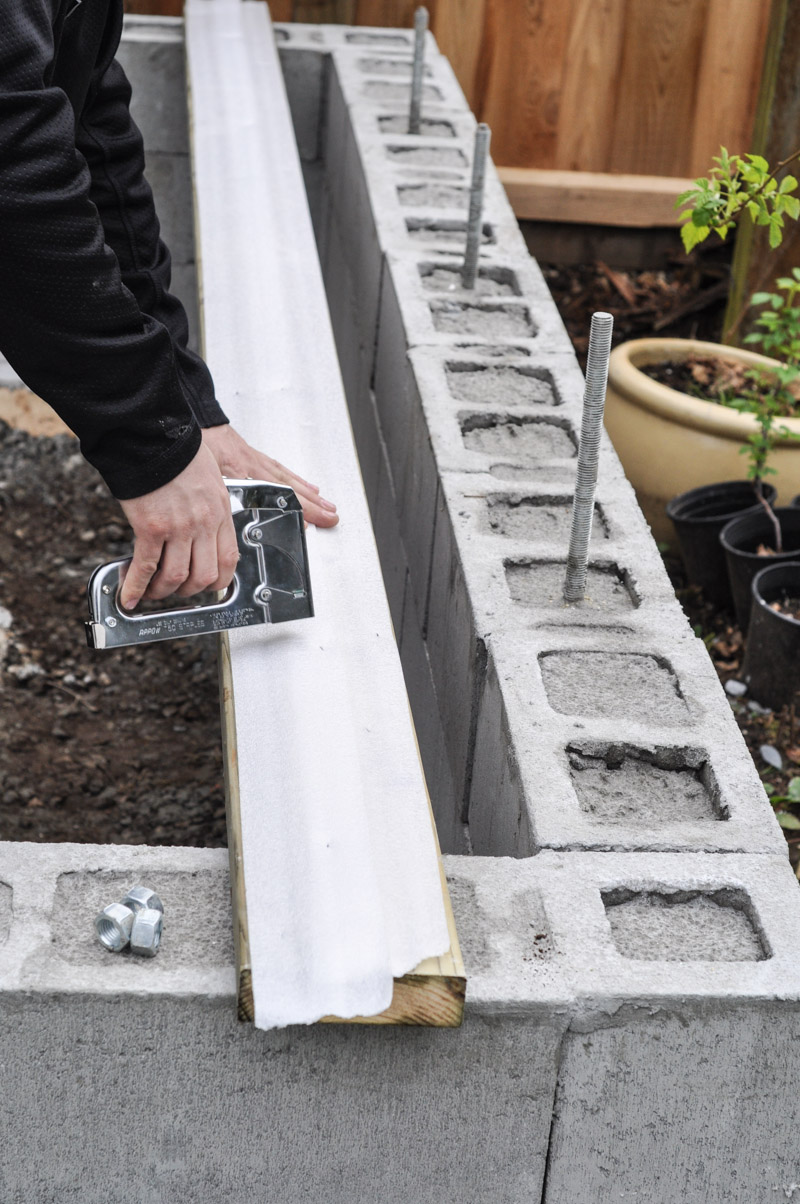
(644, 87)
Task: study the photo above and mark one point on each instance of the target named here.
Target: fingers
(227, 556)
(146, 556)
(173, 570)
(314, 512)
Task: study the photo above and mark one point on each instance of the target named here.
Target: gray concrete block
(229, 1100)
(435, 317)
(456, 648)
(592, 740)
(151, 54)
(428, 723)
(170, 178)
(304, 72)
(671, 1065)
(390, 546)
(184, 286)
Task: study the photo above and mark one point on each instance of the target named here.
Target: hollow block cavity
(613, 685)
(616, 785)
(501, 384)
(683, 926)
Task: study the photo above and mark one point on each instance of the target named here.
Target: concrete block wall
(629, 919)
(587, 749)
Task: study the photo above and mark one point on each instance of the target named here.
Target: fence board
(633, 86)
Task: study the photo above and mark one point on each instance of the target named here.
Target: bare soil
(121, 746)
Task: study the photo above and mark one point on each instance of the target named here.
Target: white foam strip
(340, 868)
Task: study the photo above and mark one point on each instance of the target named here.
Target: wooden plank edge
(244, 977)
(593, 198)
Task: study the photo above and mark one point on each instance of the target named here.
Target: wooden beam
(335, 870)
(594, 198)
(432, 995)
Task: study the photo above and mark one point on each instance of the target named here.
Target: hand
(236, 458)
(184, 536)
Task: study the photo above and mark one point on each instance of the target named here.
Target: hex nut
(140, 897)
(146, 932)
(113, 926)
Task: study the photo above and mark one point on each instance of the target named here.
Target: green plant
(773, 394)
(739, 184)
(742, 185)
(787, 819)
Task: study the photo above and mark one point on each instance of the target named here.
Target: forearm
(68, 325)
(112, 146)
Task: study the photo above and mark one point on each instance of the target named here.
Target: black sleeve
(112, 146)
(68, 325)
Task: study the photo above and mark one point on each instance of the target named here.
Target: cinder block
(686, 975)
(184, 286)
(441, 315)
(304, 71)
(152, 56)
(440, 89)
(390, 546)
(230, 1099)
(428, 723)
(608, 740)
(170, 178)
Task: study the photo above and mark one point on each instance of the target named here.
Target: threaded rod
(420, 29)
(469, 271)
(594, 399)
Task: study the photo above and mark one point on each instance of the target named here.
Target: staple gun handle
(271, 583)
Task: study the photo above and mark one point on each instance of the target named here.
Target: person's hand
(185, 541)
(237, 459)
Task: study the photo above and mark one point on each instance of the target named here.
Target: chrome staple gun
(271, 583)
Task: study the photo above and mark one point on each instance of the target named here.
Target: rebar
(420, 29)
(594, 398)
(475, 216)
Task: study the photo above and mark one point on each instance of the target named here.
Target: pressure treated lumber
(596, 198)
(336, 876)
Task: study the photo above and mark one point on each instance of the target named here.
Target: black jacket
(86, 316)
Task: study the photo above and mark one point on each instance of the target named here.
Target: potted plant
(772, 662)
(671, 440)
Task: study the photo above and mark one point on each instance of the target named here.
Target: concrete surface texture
(627, 913)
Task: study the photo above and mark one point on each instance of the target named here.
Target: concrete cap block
(569, 782)
(434, 317)
(660, 928)
(509, 955)
(58, 891)
(619, 696)
(382, 87)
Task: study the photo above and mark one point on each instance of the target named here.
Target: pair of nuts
(136, 921)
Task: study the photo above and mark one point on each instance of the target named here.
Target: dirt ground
(121, 746)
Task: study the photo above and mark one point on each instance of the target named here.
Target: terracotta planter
(669, 442)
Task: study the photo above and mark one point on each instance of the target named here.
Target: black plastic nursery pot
(740, 540)
(772, 661)
(698, 517)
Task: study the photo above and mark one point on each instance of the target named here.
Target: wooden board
(592, 197)
(432, 995)
(335, 869)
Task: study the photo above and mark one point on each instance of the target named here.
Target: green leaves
(786, 819)
(738, 184)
